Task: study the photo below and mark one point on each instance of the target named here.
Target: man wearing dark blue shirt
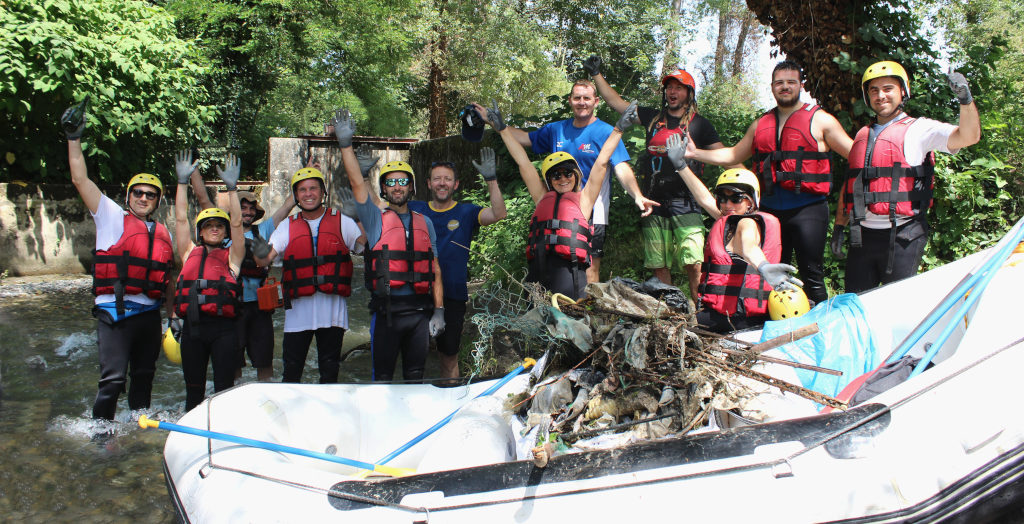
(455, 224)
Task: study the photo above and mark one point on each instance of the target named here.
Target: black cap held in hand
(472, 124)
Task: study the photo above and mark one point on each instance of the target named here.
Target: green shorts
(673, 242)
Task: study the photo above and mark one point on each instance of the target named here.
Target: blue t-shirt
(370, 217)
(250, 284)
(455, 228)
(584, 144)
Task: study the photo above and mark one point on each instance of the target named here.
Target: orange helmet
(682, 76)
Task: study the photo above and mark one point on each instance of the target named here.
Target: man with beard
(889, 185)
(674, 233)
(402, 272)
(790, 145)
(316, 272)
(582, 137)
(456, 223)
(131, 273)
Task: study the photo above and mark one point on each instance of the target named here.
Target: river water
(56, 463)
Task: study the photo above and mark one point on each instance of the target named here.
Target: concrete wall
(46, 229)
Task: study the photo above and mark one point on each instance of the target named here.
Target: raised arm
(183, 167)
(199, 186)
(527, 171)
(726, 156)
(344, 130)
(592, 66)
(968, 132)
(834, 134)
(676, 146)
(73, 123)
(488, 169)
(229, 175)
(592, 189)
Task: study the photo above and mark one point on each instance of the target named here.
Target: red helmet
(683, 77)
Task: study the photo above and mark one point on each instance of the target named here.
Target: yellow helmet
(880, 69)
(787, 303)
(307, 173)
(393, 167)
(740, 180)
(558, 158)
(145, 178)
(171, 347)
(207, 214)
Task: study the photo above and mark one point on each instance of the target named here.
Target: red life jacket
(329, 270)
(249, 268)
(791, 158)
(401, 257)
(880, 175)
(558, 226)
(725, 280)
(206, 285)
(657, 174)
(139, 263)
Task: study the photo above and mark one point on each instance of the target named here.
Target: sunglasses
(561, 173)
(392, 182)
(735, 198)
(150, 195)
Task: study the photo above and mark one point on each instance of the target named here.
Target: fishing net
(508, 333)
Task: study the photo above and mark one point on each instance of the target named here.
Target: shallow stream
(56, 462)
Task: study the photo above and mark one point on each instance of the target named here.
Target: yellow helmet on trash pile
(787, 303)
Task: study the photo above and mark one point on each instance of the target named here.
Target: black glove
(838, 239)
(629, 118)
(592, 65)
(958, 84)
(487, 166)
(175, 326)
(366, 160)
(260, 247)
(73, 120)
(494, 116)
(344, 128)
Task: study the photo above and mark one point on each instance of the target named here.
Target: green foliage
(143, 81)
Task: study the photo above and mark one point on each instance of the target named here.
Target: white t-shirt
(318, 310)
(109, 219)
(923, 136)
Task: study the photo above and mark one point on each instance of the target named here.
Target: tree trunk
(437, 104)
(671, 59)
(741, 40)
(720, 49)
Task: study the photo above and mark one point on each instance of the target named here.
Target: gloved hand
(175, 326)
(348, 203)
(73, 120)
(344, 127)
(436, 325)
(629, 118)
(494, 117)
(184, 166)
(229, 175)
(366, 159)
(958, 84)
(779, 276)
(838, 239)
(487, 166)
(260, 247)
(592, 65)
(675, 149)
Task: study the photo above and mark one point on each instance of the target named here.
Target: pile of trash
(627, 363)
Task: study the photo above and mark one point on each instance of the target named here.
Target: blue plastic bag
(844, 343)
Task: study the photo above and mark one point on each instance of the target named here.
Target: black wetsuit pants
(211, 339)
(406, 333)
(719, 323)
(803, 232)
(295, 347)
(128, 348)
(866, 265)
